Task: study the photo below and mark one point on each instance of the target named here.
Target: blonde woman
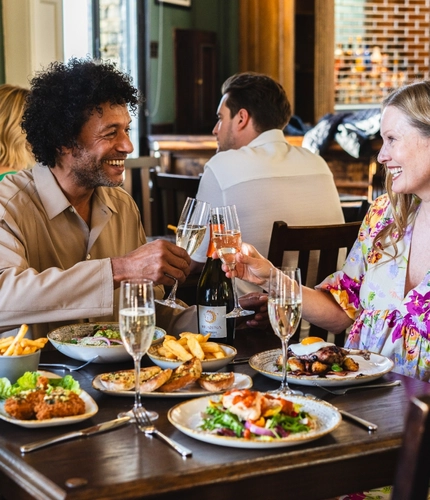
(15, 153)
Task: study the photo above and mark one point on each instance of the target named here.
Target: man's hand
(153, 261)
(257, 302)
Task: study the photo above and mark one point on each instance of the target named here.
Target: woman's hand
(251, 266)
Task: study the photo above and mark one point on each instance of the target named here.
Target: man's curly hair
(62, 99)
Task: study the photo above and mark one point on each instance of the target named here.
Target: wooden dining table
(125, 464)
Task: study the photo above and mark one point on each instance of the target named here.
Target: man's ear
(63, 151)
(242, 118)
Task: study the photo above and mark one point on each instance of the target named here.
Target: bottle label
(212, 320)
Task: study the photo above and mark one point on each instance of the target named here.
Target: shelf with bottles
(363, 87)
(366, 75)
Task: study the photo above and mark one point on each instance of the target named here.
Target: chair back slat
(136, 183)
(168, 195)
(328, 240)
(411, 481)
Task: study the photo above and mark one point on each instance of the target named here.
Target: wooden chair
(136, 183)
(329, 240)
(168, 195)
(411, 481)
(356, 211)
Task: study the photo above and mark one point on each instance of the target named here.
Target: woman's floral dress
(370, 289)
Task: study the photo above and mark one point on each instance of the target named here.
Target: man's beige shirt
(54, 269)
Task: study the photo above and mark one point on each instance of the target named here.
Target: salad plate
(371, 367)
(64, 340)
(187, 417)
(91, 409)
(241, 381)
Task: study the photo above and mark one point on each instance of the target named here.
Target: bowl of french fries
(173, 351)
(19, 354)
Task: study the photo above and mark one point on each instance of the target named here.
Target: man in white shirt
(257, 170)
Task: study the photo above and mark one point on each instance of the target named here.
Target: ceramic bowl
(211, 365)
(115, 353)
(12, 367)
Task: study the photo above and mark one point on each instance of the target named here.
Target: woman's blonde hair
(15, 151)
(413, 101)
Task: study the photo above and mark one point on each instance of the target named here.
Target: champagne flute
(285, 311)
(137, 326)
(189, 236)
(227, 240)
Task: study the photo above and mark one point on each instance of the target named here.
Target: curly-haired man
(68, 234)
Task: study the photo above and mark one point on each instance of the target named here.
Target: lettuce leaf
(67, 382)
(6, 390)
(28, 381)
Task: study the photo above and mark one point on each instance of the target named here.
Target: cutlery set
(340, 392)
(89, 431)
(141, 419)
(145, 425)
(344, 390)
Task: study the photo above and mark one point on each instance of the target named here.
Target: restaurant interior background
(332, 56)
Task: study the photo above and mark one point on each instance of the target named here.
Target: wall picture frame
(178, 3)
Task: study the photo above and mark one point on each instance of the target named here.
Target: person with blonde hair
(383, 289)
(15, 153)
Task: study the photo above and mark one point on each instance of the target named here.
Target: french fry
(162, 351)
(18, 350)
(195, 348)
(20, 335)
(176, 348)
(197, 336)
(19, 345)
(6, 341)
(212, 347)
(219, 355)
(39, 343)
(188, 345)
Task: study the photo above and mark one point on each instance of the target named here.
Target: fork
(341, 392)
(145, 425)
(71, 368)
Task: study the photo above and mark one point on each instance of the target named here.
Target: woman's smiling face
(405, 153)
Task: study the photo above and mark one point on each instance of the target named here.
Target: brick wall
(380, 45)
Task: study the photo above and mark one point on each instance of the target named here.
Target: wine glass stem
(284, 383)
(172, 294)
(236, 300)
(137, 402)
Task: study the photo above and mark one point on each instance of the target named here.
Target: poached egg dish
(314, 356)
(308, 346)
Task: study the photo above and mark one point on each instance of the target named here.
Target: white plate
(241, 381)
(91, 409)
(369, 369)
(60, 337)
(187, 417)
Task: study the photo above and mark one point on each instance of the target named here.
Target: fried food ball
(59, 403)
(318, 368)
(296, 365)
(22, 405)
(350, 365)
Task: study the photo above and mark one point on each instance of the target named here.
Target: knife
(365, 423)
(95, 429)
